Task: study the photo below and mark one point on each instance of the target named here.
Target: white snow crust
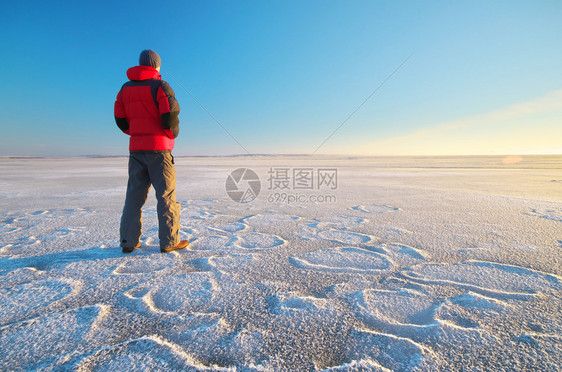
(420, 264)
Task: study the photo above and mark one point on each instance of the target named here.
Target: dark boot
(130, 249)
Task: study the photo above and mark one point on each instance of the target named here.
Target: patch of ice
(396, 307)
(145, 264)
(549, 214)
(183, 293)
(373, 351)
(268, 219)
(229, 263)
(258, 241)
(467, 309)
(194, 214)
(401, 254)
(291, 301)
(23, 300)
(222, 264)
(212, 242)
(229, 227)
(149, 353)
(41, 341)
(215, 342)
(375, 208)
(493, 278)
(337, 222)
(344, 236)
(345, 259)
(399, 231)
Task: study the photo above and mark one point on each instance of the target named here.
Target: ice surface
(420, 264)
(147, 353)
(346, 259)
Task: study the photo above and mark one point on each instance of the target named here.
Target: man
(147, 111)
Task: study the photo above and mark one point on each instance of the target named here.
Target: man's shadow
(62, 259)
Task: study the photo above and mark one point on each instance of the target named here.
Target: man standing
(147, 111)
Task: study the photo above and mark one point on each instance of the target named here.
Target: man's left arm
(169, 110)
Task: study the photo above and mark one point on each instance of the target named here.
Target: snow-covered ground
(406, 264)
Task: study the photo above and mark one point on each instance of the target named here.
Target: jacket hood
(143, 73)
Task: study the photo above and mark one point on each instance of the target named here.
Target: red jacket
(147, 110)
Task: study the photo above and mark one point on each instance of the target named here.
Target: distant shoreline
(342, 162)
(339, 156)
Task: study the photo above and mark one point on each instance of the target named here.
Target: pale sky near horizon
(483, 78)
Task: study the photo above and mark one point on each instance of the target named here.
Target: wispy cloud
(485, 133)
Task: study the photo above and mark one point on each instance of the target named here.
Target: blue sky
(484, 78)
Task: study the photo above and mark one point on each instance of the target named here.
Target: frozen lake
(339, 264)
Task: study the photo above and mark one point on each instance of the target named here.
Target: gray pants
(146, 168)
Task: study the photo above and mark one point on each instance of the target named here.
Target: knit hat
(149, 58)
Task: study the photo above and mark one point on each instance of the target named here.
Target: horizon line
(283, 155)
